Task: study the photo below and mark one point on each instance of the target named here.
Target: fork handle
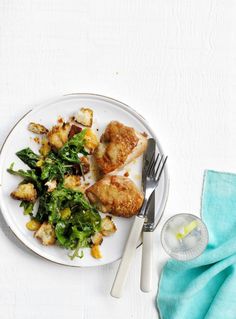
(128, 255)
(146, 267)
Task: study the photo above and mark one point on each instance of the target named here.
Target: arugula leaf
(83, 241)
(28, 157)
(54, 168)
(60, 230)
(74, 232)
(50, 204)
(42, 213)
(82, 236)
(29, 176)
(62, 198)
(28, 207)
(87, 220)
(69, 151)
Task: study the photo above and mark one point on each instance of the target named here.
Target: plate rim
(123, 106)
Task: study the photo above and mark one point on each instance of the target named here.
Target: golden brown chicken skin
(117, 195)
(116, 144)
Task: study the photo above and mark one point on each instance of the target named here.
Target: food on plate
(51, 185)
(97, 239)
(28, 157)
(82, 168)
(25, 192)
(96, 252)
(85, 117)
(33, 225)
(46, 234)
(63, 215)
(117, 195)
(74, 129)
(58, 135)
(119, 145)
(108, 226)
(85, 165)
(72, 182)
(68, 209)
(37, 128)
(91, 141)
(45, 147)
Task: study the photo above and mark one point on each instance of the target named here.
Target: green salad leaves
(72, 217)
(69, 151)
(28, 157)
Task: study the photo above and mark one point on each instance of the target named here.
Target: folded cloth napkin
(205, 287)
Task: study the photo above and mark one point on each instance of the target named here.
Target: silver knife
(148, 227)
(135, 231)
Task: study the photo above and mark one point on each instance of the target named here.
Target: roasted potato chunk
(91, 140)
(25, 192)
(97, 239)
(65, 213)
(45, 147)
(33, 225)
(95, 251)
(85, 117)
(58, 136)
(46, 234)
(72, 182)
(37, 128)
(108, 226)
(40, 163)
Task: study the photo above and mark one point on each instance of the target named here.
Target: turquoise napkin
(205, 288)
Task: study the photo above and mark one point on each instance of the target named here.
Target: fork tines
(156, 166)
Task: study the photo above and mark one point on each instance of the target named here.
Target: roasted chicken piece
(119, 145)
(117, 195)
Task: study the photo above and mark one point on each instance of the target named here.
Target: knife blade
(150, 216)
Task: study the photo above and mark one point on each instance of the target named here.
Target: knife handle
(127, 257)
(146, 267)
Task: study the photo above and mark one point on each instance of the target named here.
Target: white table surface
(175, 63)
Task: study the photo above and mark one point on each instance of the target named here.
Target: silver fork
(153, 175)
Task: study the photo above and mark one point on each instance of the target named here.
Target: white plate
(105, 110)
